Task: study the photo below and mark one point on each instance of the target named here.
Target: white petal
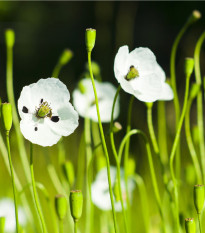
(167, 93)
(43, 136)
(121, 65)
(68, 120)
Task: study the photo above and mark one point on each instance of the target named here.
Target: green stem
(199, 223)
(75, 227)
(13, 180)
(151, 166)
(126, 156)
(88, 149)
(144, 201)
(34, 191)
(56, 70)
(61, 229)
(191, 144)
(173, 151)
(151, 128)
(103, 143)
(200, 101)
(162, 131)
(117, 159)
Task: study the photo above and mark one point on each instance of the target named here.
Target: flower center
(44, 110)
(133, 73)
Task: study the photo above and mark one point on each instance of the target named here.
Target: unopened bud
(116, 127)
(189, 66)
(131, 165)
(61, 206)
(65, 56)
(69, 173)
(76, 204)
(90, 36)
(195, 15)
(190, 225)
(10, 37)
(82, 87)
(194, 90)
(199, 197)
(6, 116)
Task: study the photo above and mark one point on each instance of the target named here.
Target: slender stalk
(13, 180)
(103, 143)
(199, 223)
(127, 148)
(191, 144)
(34, 191)
(88, 149)
(61, 229)
(112, 141)
(151, 128)
(162, 131)
(75, 227)
(173, 152)
(200, 101)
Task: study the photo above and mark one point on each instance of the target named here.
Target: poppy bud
(190, 225)
(90, 36)
(65, 56)
(199, 197)
(6, 116)
(61, 206)
(76, 204)
(189, 66)
(10, 38)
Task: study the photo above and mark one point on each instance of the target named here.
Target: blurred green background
(44, 29)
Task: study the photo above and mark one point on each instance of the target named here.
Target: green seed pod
(116, 190)
(190, 225)
(69, 173)
(76, 204)
(194, 90)
(6, 116)
(131, 165)
(189, 66)
(199, 197)
(90, 36)
(65, 57)
(2, 224)
(61, 206)
(10, 38)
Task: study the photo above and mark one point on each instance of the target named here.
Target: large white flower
(46, 113)
(84, 100)
(140, 75)
(7, 210)
(100, 189)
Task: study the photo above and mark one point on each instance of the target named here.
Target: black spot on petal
(41, 101)
(36, 128)
(55, 118)
(25, 109)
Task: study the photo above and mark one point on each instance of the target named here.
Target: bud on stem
(199, 197)
(76, 204)
(10, 38)
(90, 36)
(6, 116)
(190, 225)
(61, 206)
(189, 66)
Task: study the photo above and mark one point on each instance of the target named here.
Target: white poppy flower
(140, 75)
(46, 113)
(100, 189)
(7, 210)
(84, 100)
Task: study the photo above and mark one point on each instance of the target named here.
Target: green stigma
(44, 110)
(133, 73)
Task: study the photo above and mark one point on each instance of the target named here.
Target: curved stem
(126, 156)
(151, 128)
(13, 180)
(103, 143)
(191, 144)
(34, 191)
(200, 101)
(112, 141)
(173, 151)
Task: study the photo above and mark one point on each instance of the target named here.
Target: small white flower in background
(140, 75)
(7, 210)
(84, 100)
(46, 113)
(100, 189)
